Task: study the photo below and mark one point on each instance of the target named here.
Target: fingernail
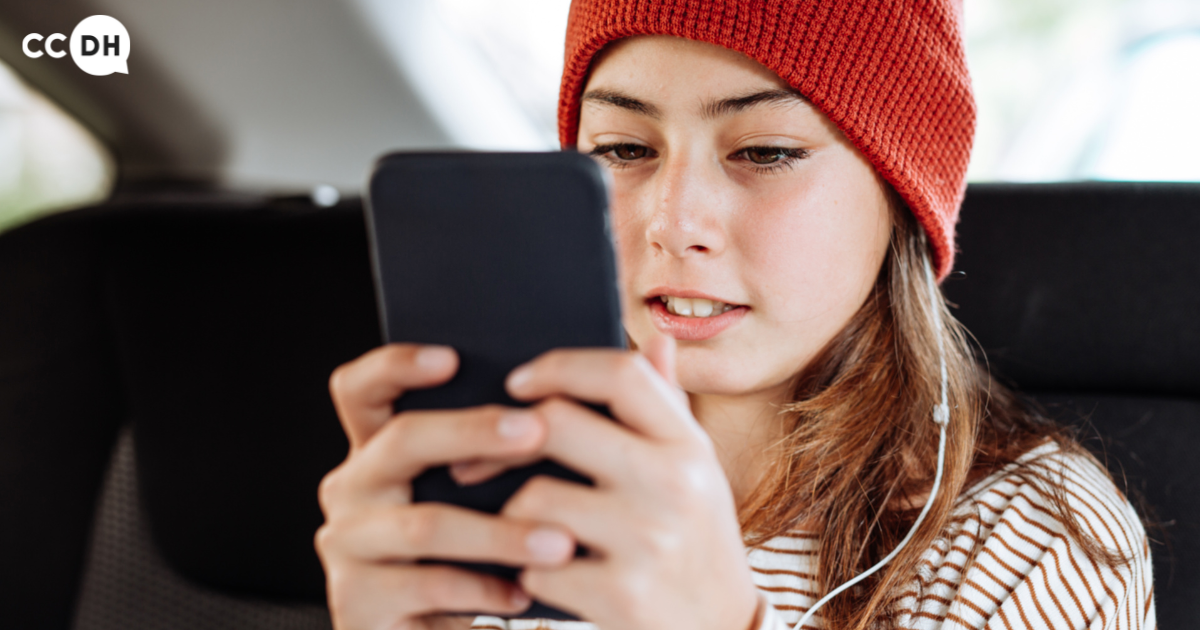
(519, 377)
(548, 545)
(514, 424)
(519, 599)
(457, 469)
(434, 357)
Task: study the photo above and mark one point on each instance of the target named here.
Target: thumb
(660, 352)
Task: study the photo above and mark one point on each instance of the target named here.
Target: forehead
(664, 66)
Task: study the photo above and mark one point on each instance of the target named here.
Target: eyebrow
(734, 105)
(616, 99)
(712, 109)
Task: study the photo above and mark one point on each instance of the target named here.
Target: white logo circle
(100, 46)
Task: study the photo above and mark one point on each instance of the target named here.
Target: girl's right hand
(373, 533)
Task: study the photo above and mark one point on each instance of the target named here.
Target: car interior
(165, 352)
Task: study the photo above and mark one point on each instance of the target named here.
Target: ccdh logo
(99, 45)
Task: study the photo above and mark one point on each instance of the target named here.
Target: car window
(1067, 89)
(48, 161)
(1085, 89)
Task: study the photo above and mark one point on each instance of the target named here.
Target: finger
(364, 389)
(445, 532)
(385, 596)
(577, 438)
(591, 444)
(596, 519)
(417, 440)
(625, 381)
(472, 472)
(659, 350)
(581, 587)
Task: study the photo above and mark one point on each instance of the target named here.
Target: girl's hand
(373, 532)
(660, 523)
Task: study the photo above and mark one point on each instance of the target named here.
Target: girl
(802, 410)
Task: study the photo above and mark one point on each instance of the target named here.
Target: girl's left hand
(660, 522)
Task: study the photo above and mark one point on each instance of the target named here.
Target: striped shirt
(1005, 561)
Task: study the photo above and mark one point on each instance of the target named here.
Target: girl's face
(747, 226)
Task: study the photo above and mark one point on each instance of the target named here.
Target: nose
(686, 215)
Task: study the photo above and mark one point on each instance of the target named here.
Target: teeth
(694, 307)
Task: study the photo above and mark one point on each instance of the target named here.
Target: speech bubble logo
(100, 46)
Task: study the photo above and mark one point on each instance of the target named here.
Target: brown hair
(861, 448)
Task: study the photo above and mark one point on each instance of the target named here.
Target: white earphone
(941, 417)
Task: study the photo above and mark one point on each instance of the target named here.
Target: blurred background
(300, 96)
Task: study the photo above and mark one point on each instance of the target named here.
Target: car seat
(208, 331)
(1086, 297)
(164, 415)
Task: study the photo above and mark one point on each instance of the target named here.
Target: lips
(691, 316)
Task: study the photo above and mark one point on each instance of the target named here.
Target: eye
(765, 155)
(620, 155)
(771, 158)
(629, 151)
(624, 151)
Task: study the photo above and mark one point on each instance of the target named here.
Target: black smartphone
(501, 256)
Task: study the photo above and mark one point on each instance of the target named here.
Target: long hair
(860, 454)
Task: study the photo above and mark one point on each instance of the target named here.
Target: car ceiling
(265, 95)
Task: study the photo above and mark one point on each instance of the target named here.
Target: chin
(708, 372)
(717, 378)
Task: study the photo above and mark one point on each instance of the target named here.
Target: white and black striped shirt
(1005, 561)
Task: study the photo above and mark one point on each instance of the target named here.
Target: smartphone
(501, 256)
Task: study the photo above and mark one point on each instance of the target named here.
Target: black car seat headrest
(228, 324)
(1084, 287)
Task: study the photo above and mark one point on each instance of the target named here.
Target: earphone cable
(941, 417)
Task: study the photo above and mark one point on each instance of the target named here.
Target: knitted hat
(891, 74)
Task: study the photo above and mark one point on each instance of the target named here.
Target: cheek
(814, 247)
(629, 230)
(631, 250)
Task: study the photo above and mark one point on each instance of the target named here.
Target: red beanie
(891, 74)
